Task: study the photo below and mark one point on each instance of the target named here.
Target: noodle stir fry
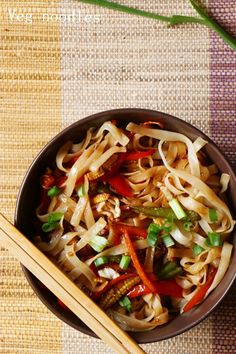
(136, 217)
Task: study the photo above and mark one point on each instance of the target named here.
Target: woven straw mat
(55, 71)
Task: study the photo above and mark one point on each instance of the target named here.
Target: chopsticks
(74, 298)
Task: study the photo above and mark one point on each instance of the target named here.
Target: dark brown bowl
(28, 197)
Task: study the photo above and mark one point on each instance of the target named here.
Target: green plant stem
(172, 20)
(133, 11)
(210, 23)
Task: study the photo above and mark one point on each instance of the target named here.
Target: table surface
(63, 60)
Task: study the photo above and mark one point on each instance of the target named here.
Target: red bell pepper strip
(47, 181)
(132, 230)
(162, 287)
(97, 294)
(136, 263)
(135, 232)
(120, 184)
(135, 155)
(200, 294)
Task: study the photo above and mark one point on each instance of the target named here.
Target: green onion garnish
(152, 239)
(153, 228)
(47, 227)
(197, 249)
(54, 191)
(187, 225)
(213, 215)
(126, 303)
(53, 217)
(177, 209)
(81, 191)
(53, 221)
(170, 270)
(124, 262)
(100, 261)
(152, 236)
(98, 243)
(213, 239)
(168, 240)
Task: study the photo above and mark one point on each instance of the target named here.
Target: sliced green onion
(168, 240)
(53, 217)
(126, 303)
(213, 239)
(177, 209)
(124, 262)
(187, 225)
(81, 191)
(47, 227)
(54, 191)
(197, 249)
(213, 215)
(100, 261)
(153, 228)
(152, 239)
(152, 236)
(98, 243)
(170, 270)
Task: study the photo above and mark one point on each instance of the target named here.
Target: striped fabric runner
(63, 60)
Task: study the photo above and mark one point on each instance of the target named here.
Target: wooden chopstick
(74, 298)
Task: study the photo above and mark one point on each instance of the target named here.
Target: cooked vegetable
(164, 212)
(54, 191)
(117, 291)
(136, 262)
(128, 221)
(126, 303)
(162, 287)
(200, 292)
(177, 209)
(124, 262)
(170, 270)
(100, 261)
(213, 239)
(213, 215)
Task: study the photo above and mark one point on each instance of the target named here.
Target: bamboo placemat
(55, 70)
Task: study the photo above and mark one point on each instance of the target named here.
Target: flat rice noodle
(119, 249)
(195, 265)
(224, 181)
(97, 163)
(81, 166)
(78, 267)
(61, 155)
(55, 239)
(165, 135)
(114, 131)
(180, 237)
(203, 188)
(223, 265)
(199, 143)
(93, 231)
